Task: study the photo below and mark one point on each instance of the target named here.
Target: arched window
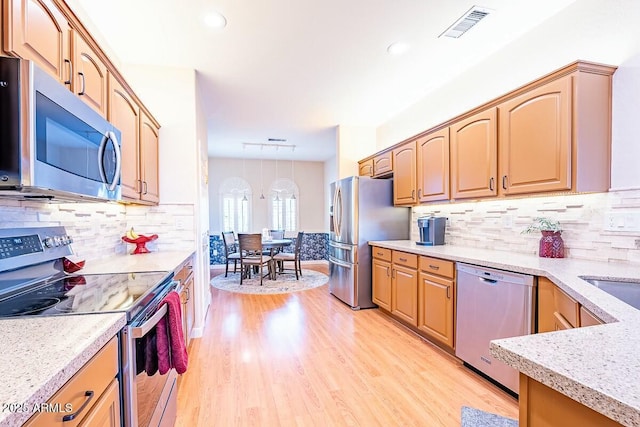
(235, 205)
(283, 197)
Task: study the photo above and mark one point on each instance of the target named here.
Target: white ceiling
(297, 69)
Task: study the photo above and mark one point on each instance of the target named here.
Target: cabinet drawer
(184, 270)
(93, 377)
(567, 307)
(437, 266)
(381, 253)
(406, 259)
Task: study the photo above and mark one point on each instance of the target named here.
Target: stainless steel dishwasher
(492, 304)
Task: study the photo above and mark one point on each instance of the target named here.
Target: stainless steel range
(33, 283)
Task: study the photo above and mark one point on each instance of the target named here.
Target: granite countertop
(40, 354)
(597, 366)
(125, 263)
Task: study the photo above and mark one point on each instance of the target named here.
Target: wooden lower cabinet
(558, 311)
(436, 302)
(381, 277)
(541, 406)
(100, 408)
(185, 275)
(404, 287)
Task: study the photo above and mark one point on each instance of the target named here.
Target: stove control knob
(48, 242)
(57, 240)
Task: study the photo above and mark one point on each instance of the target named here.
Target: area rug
(472, 417)
(286, 283)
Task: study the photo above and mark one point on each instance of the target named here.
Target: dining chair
(230, 250)
(251, 255)
(294, 257)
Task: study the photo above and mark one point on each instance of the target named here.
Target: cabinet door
(433, 166)
(381, 273)
(125, 115)
(190, 310)
(474, 156)
(149, 159)
(37, 30)
(435, 308)
(535, 140)
(404, 294)
(404, 174)
(90, 75)
(365, 168)
(106, 412)
(382, 164)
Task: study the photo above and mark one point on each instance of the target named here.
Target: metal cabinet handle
(402, 259)
(68, 81)
(504, 182)
(393, 273)
(491, 183)
(419, 192)
(379, 253)
(89, 395)
(434, 267)
(388, 274)
(145, 187)
(83, 83)
(448, 292)
(413, 194)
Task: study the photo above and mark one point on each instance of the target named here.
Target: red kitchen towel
(172, 352)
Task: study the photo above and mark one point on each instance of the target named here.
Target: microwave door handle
(116, 148)
(110, 136)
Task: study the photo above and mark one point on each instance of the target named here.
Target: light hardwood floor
(306, 359)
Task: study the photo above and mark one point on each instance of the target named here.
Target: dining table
(272, 245)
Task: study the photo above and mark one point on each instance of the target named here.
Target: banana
(131, 234)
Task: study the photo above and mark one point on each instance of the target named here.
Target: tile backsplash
(599, 226)
(97, 228)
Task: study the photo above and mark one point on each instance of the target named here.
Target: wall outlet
(215, 252)
(622, 221)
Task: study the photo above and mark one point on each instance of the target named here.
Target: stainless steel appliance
(491, 304)
(53, 144)
(33, 283)
(362, 210)
(431, 230)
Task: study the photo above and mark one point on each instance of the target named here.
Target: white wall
(352, 144)
(308, 176)
(330, 175)
(612, 38)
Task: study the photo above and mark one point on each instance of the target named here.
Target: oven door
(149, 399)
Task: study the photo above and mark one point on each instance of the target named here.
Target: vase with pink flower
(551, 243)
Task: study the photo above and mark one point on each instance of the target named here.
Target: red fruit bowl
(140, 243)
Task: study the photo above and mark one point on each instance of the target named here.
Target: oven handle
(142, 330)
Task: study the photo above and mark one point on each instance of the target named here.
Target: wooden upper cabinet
(365, 167)
(474, 154)
(37, 30)
(90, 74)
(404, 174)
(124, 113)
(432, 152)
(535, 140)
(149, 171)
(383, 164)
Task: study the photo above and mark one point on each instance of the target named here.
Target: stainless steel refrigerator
(361, 210)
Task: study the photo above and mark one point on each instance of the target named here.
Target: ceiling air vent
(466, 22)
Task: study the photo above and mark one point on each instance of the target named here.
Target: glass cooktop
(88, 293)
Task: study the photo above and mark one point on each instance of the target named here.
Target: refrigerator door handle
(340, 263)
(340, 246)
(337, 215)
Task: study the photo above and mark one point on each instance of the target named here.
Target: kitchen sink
(624, 290)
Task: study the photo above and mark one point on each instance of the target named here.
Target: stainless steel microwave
(52, 144)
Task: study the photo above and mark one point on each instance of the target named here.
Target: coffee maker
(431, 230)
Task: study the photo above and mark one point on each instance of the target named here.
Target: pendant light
(293, 195)
(261, 179)
(277, 198)
(244, 176)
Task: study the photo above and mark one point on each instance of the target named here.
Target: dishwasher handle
(484, 279)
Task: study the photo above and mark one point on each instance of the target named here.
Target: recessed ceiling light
(397, 48)
(215, 20)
